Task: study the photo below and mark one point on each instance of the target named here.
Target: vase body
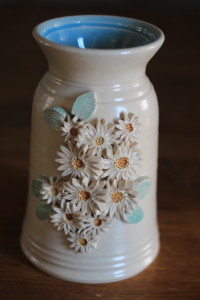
(118, 79)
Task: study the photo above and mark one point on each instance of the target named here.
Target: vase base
(115, 272)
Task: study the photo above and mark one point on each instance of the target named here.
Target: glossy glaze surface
(98, 32)
(118, 79)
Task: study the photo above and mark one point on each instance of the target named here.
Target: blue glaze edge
(78, 25)
(145, 31)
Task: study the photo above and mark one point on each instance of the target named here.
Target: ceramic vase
(96, 104)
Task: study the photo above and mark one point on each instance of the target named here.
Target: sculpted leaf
(54, 116)
(84, 106)
(136, 216)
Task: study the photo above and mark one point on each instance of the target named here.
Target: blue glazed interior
(98, 32)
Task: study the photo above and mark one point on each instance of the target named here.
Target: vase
(91, 213)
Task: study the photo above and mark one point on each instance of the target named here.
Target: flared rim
(157, 37)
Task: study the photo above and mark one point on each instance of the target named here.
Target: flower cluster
(98, 166)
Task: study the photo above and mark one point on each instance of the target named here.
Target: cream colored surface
(120, 84)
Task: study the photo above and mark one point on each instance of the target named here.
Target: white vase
(106, 55)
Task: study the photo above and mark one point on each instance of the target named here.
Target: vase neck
(98, 70)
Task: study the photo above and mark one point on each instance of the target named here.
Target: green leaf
(37, 184)
(143, 185)
(36, 187)
(84, 106)
(136, 216)
(43, 210)
(54, 116)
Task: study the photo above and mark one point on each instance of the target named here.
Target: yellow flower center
(99, 141)
(67, 217)
(84, 195)
(74, 131)
(77, 163)
(83, 242)
(97, 222)
(121, 163)
(129, 127)
(117, 197)
(54, 192)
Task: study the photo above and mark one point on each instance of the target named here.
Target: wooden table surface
(175, 73)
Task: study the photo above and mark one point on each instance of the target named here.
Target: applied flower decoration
(98, 163)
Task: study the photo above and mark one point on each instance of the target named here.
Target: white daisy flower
(96, 224)
(52, 191)
(67, 217)
(82, 242)
(71, 128)
(121, 162)
(119, 199)
(77, 163)
(97, 138)
(128, 127)
(88, 195)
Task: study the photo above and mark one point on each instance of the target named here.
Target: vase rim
(132, 35)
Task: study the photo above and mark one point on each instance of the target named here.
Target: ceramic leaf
(36, 187)
(43, 210)
(136, 216)
(84, 106)
(37, 184)
(143, 185)
(54, 116)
